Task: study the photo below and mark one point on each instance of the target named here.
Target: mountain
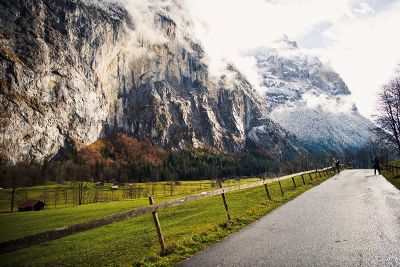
(310, 100)
(74, 71)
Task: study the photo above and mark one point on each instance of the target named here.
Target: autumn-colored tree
(130, 150)
(100, 151)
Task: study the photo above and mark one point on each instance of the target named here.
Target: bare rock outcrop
(74, 71)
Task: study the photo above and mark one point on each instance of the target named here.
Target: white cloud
(329, 104)
(363, 9)
(361, 44)
(234, 24)
(229, 28)
(365, 52)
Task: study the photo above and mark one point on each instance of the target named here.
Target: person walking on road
(376, 166)
(337, 165)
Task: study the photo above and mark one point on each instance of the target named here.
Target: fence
(393, 169)
(65, 195)
(35, 239)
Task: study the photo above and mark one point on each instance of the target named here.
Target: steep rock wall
(73, 71)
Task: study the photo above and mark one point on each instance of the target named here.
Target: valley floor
(187, 229)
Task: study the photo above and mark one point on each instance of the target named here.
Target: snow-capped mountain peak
(287, 73)
(308, 98)
(285, 42)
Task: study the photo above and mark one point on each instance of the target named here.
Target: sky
(359, 39)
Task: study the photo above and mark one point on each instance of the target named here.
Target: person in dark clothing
(337, 165)
(375, 165)
(334, 164)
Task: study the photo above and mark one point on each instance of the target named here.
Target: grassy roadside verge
(393, 178)
(187, 229)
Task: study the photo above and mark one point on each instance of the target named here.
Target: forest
(123, 159)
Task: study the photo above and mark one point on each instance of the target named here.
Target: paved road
(352, 219)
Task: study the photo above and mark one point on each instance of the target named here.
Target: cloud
(231, 25)
(365, 51)
(341, 104)
(230, 30)
(146, 32)
(363, 9)
(323, 102)
(359, 38)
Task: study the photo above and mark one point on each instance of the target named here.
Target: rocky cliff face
(310, 100)
(73, 71)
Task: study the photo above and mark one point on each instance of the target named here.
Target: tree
(13, 177)
(388, 117)
(12, 194)
(78, 189)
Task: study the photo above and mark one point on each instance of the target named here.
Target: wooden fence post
(280, 186)
(225, 203)
(294, 182)
(267, 192)
(158, 227)
(310, 177)
(302, 178)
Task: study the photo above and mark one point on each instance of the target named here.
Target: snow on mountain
(310, 100)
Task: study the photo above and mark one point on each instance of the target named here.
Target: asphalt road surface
(352, 219)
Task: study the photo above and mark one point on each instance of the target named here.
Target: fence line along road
(27, 241)
(393, 169)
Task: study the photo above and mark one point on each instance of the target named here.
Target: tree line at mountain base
(123, 159)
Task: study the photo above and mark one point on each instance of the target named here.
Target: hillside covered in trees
(123, 158)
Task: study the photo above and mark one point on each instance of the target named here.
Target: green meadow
(187, 228)
(63, 195)
(393, 177)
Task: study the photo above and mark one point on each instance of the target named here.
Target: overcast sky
(360, 39)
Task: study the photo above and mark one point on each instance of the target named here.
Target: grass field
(393, 177)
(187, 229)
(62, 195)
